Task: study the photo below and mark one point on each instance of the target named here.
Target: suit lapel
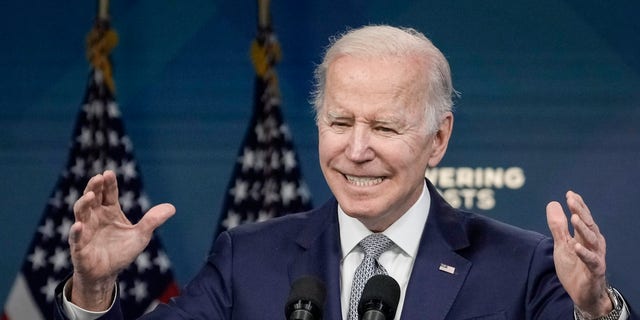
(438, 271)
(320, 255)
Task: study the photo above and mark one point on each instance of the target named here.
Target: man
(383, 111)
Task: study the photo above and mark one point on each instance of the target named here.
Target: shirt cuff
(73, 312)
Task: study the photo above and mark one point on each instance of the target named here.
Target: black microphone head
(382, 294)
(307, 295)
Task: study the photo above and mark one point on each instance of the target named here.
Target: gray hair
(381, 41)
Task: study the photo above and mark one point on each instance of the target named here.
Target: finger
(584, 234)
(557, 221)
(577, 206)
(92, 183)
(155, 217)
(95, 185)
(590, 259)
(74, 233)
(110, 191)
(83, 206)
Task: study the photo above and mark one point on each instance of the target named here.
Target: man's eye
(340, 124)
(386, 130)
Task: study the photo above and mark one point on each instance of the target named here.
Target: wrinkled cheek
(329, 148)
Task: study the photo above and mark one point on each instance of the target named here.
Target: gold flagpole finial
(100, 41)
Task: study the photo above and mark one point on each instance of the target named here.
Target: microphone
(380, 297)
(306, 299)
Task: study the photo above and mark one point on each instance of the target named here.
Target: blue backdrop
(549, 101)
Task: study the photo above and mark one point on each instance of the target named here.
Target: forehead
(387, 86)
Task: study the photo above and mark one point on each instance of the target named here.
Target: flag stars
(126, 142)
(99, 138)
(72, 197)
(127, 201)
(275, 160)
(272, 124)
(78, 168)
(56, 200)
(286, 133)
(59, 259)
(47, 229)
(288, 192)
(85, 138)
(259, 160)
(264, 215)
(49, 289)
(143, 262)
(111, 165)
(144, 203)
(232, 220)
(96, 167)
(98, 77)
(113, 110)
(303, 192)
(261, 133)
(270, 192)
(289, 159)
(139, 290)
(239, 191)
(162, 261)
(128, 170)
(37, 258)
(94, 109)
(271, 196)
(248, 159)
(113, 138)
(63, 228)
(256, 190)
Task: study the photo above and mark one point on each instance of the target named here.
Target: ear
(440, 139)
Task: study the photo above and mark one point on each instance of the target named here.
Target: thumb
(557, 222)
(155, 217)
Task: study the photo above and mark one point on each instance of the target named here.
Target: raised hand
(580, 259)
(103, 242)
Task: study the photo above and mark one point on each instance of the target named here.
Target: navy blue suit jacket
(501, 272)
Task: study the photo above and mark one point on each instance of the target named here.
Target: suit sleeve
(546, 298)
(209, 294)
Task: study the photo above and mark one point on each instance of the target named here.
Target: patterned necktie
(373, 245)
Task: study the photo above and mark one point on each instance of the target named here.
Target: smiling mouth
(363, 181)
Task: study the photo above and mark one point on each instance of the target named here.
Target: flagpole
(264, 20)
(103, 10)
(266, 180)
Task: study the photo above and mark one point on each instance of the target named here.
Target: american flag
(99, 143)
(266, 180)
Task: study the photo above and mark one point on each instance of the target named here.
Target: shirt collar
(405, 232)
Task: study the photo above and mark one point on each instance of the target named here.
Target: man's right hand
(104, 242)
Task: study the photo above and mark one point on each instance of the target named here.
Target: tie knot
(375, 244)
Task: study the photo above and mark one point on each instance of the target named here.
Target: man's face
(374, 142)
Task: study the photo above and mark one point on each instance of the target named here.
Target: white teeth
(364, 181)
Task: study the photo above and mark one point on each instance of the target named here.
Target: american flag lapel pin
(447, 268)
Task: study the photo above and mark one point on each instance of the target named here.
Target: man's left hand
(580, 259)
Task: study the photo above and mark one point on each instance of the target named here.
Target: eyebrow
(387, 120)
(337, 115)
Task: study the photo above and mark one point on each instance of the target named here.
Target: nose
(359, 148)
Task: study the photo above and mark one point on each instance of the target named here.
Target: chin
(360, 210)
